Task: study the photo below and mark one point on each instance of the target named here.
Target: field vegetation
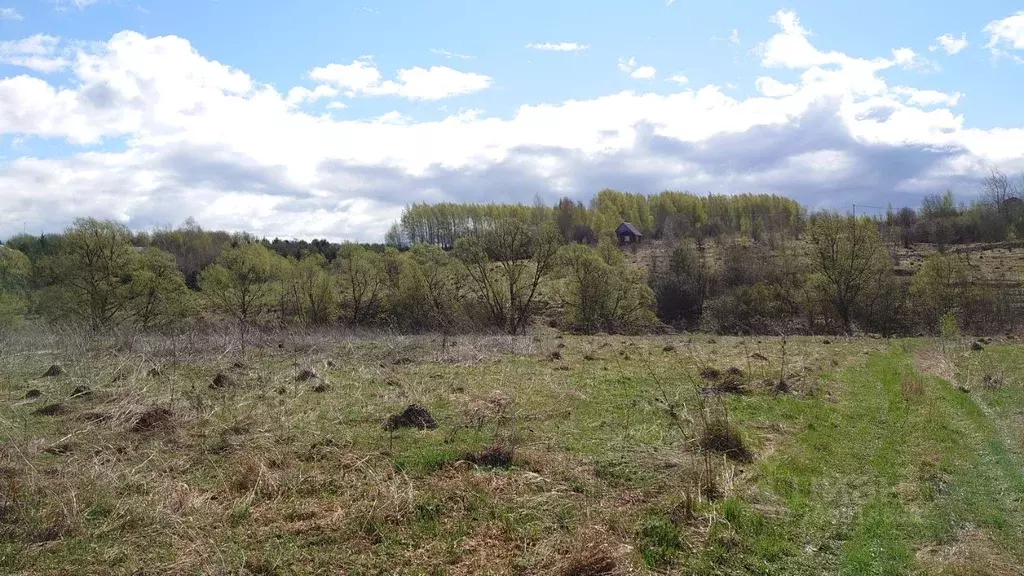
(753, 389)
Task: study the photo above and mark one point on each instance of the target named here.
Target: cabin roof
(627, 228)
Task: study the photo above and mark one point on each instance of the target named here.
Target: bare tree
(506, 264)
(997, 189)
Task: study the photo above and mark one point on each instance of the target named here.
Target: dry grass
(526, 469)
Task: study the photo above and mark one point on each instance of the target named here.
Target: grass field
(551, 455)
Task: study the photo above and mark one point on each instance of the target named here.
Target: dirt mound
(53, 371)
(305, 375)
(711, 374)
(414, 416)
(51, 410)
(222, 380)
(990, 381)
(81, 392)
(494, 456)
(592, 562)
(156, 418)
(721, 437)
(731, 382)
(668, 348)
(33, 394)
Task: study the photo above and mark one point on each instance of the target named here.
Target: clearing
(684, 454)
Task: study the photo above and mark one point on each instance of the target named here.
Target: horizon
(324, 120)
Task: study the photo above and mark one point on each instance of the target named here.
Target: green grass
(873, 464)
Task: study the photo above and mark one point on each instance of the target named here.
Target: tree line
(744, 264)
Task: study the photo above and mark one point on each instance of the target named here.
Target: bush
(758, 309)
(681, 286)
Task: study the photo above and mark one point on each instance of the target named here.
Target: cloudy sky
(324, 117)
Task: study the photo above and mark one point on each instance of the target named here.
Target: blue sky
(324, 118)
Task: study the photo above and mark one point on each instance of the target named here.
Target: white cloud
(907, 59)
(300, 95)
(203, 139)
(904, 57)
(362, 78)
(638, 72)
(448, 54)
(80, 4)
(1006, 34)
(559, 47)
(358, 76)
(39, 52)
(951, 44)
(10, 14)
(772, 88)
(679, 79)
(734, 37)
(918, 97)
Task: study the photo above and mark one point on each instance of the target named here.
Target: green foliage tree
(91, 274)
(941, 286)
(243, 284)
(15, 271)
(522, 256)
(313, 290)
(361, 280)
(848, 261)
(158, 294)
(601, 293)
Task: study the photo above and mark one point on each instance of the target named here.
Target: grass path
(902, 474)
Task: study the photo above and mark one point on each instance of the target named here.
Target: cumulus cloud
(362, 78)
(39, 53)
(635, 71)
(10, 14)
(951, 44)
(928, 97)
(300, 95)
(679, 79)
(197, 137)
(558, 47)
(1006, 35)
(772, 88)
